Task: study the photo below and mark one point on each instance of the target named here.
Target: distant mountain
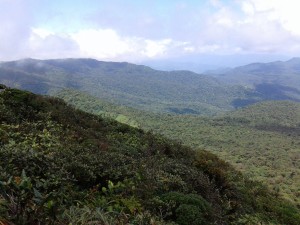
(269, 71)
(180, 64)
(179, 92)
(273, 81)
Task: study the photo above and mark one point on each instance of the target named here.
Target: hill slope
(261, 140)
(62, 166)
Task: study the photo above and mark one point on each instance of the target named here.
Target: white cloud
(226, 22)
(42, 33)
(104, 44)
(101, 43)
(108, 44)
(248, 8)
(286, 13)
(189, 49)
(268, 26)
(156, 48)
(46, 44)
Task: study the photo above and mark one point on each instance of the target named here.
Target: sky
(210, 31)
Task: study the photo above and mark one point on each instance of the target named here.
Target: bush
(190, 215)
(189, 209)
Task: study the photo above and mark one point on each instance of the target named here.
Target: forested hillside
(261, 140)
(63, 166)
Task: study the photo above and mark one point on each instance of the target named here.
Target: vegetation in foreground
(63, 166)
(261, 140)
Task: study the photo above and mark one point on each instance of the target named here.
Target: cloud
(275, 25)
(155, 48)
(256, 27)
(138, 30)
(105, 44)
(101, 43)
(286, 13)
(44, 44)
(109, 44)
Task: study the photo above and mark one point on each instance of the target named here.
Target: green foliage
(189, 214)
(85, 215)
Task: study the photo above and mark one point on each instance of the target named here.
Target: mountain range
(177, 92)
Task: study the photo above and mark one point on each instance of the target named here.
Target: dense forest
(60, 165)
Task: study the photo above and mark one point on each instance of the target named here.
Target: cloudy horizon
(137, 31)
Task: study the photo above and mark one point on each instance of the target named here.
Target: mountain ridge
(129, 84)
(144, 88)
